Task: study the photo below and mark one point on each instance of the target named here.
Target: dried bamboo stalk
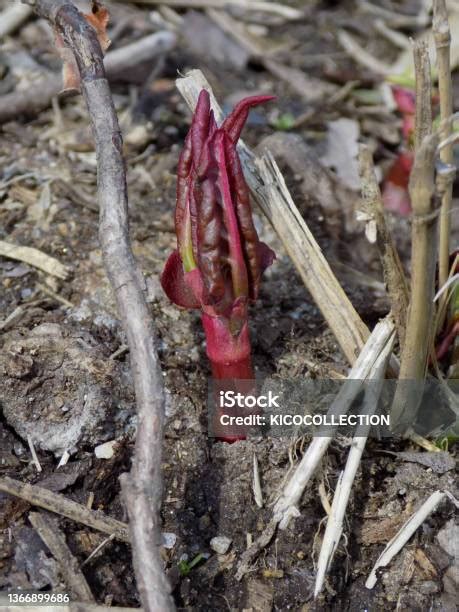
(342, 494)
(423, 113)
(394, 276)
(404, 534)
(442, 37)
(423, 254)
(270, 192)
(370, 359)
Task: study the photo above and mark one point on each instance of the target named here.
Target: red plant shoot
(219, 259)
(395, 187)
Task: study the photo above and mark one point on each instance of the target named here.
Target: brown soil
(61, 385)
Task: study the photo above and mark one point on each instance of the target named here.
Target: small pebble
(169, 539)
(220, 544)
(105, 450)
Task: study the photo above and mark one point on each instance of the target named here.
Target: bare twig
(275, 8)
(98, 549)
(54, 539)
(396, 20)
(360, 56)
(12, 17)
(142, 50)
(423, 254)
(396, 38)
(442, 36)
(392, 268)
(270, 191)
(311, 89)
(14, 316)
(31, 101)
(142, 488)
(47, 291)
(43, 498)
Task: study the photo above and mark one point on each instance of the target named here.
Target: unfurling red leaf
(213, 218)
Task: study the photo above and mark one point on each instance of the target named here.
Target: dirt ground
(65, 379)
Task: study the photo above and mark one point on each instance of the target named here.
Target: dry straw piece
(419, 326)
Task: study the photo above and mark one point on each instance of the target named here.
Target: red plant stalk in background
(395, 186)
(219, 259)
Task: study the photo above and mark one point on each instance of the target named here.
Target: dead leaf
(380, 531)
(425, 565)
(342, 150)
(98, 19)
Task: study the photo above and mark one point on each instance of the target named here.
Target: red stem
(230, 361)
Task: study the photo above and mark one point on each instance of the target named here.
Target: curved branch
(143, 486)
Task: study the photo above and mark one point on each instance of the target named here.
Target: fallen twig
(54, 539)
(404, 534)
(360, 56)
(29, 102)
(442, 36)
(14, 316)
(370, 359)
(335, 519)
(142, 487)
(12, 17)
(394, 276)
(423, 254)
(34, 257)
(47, 291)
(397, 20)
(275, 8)
(43, 498)
(98, 549)
(311, 89)
(396, 38)
(270, 191)
(145, 49)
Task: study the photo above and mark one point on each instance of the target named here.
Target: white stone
(220, 544)
(105, 450)
(169, 539)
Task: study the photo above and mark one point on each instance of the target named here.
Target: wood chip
(35, 258)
